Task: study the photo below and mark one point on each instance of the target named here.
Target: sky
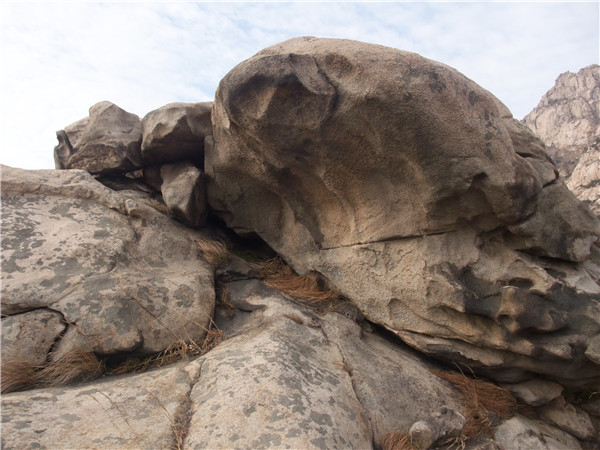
(58, 59)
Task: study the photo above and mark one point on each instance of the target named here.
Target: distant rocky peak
(567, 118)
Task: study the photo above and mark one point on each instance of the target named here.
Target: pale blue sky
(58, 59)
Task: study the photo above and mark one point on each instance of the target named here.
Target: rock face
(567, 119)
(584, 182)
(391, 178)
(176, 132)
(287, 378)
(109, 141)
(86, 267)
(412, 191)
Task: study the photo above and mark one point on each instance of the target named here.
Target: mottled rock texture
(108, 141)
(176, 132)
(120, 275)
(287, 377)
(585, 179)
(143, 411)
(413, 192)
(567, 119)
(394, 179)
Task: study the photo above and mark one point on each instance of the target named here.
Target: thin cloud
(59, 59)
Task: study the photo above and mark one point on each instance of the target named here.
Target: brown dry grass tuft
(344, 366)
(224, 298)
(279, 276)
(17, 374)
(77, 365)
(295, 317)
(178, 351)
(214, 252)
(485, 404)
(397, 440)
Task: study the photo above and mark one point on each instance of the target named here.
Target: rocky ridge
(567, 120)
(414, 209)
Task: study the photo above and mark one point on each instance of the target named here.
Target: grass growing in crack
(77, 365)
(295, 317)
(484, 404)
(277, 275)
(214, 252)
(178, 351)
(179, 423)
(397, 440)
(344, 366)
(17, 374)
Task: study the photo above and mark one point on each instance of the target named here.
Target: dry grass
(77, 365)
(80, 365)
(17, 374)
(344, 366)
(295, 317)
(484, 404)
(214, 252)
(279, 276)
(397, 440)
(224, 298)
(178, 351)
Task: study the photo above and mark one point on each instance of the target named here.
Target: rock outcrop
(584, 182)
(438, 220)
(102, 271)
(567, 120)
(413, 192)
(176, 132)
(108, 141)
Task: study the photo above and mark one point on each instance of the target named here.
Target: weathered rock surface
(30, 336)
(584, 182)
(413, 192)
(569, 418)
(143, 411)
(407, 187)
(520, 433)
(437, 428)
(535, 392)
(122, 276)
(108, 142)
(184, 193)
(567, 119)
(286, 377)
(68, 140)
(176, 132)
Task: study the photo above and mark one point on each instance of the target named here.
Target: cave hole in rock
(250, 246)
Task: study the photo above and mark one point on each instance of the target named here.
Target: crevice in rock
(183, 415)
(348, 369)
(388, 239)
(59, 337)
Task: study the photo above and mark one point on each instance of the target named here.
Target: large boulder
(287, 377)
(88, 268)
(184, 192)
(109, 141)
(413, 192)
(176, 132)
(284, 376)
(68, 141)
